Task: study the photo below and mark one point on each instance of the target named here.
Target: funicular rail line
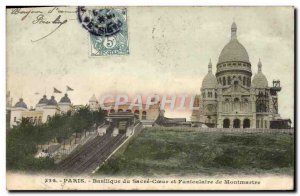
(102, 153)
(96, 151)
(106, 153)
(87, 158)
(90, 155)
(77, 156)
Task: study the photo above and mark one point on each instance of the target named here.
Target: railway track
(79, 154)
(98, 157)
(89, 156)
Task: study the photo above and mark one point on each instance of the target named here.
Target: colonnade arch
(236, 123)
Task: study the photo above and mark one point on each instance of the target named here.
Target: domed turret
(65, 99)
(93, 99)
(209, 81)
(52, 101)
(259, 80)
(43, 100)
(21, 104)
(93, 102)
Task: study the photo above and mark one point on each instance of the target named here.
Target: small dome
(52, 101)
(65, 99)
(234, 50)
(93, 99)
(260, 80)
(210, 80)
(21, 104)
(43, 100)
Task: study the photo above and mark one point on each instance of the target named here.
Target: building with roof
(146, 115)
(229, 99)
(44, 109)
(93, 103)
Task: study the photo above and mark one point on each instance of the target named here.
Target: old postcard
(150, 98)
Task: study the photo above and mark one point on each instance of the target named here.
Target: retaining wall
(225, 130)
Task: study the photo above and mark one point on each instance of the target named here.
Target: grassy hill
(172, 152)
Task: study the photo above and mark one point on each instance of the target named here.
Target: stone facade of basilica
(229, 98)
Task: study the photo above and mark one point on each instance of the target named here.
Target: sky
(169, 48)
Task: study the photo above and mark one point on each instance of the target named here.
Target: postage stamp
(108, 30)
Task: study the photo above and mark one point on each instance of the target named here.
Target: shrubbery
(22, 140)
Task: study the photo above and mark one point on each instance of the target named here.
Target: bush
(22, 140)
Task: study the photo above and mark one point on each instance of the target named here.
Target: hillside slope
(172, 152)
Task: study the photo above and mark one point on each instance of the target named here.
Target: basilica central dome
(234, 50)
(233, 63)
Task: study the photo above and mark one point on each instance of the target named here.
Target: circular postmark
(100, 22)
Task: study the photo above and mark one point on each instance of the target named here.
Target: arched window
(228, 80)
(244, 81)
(240, 78)
(236, 123)
(224, 81)
(40, 119)
(226, 123)
(236, 104)
(144, 115)
(246, 105)
(128, 110)
(203, 95)
(137, 113)
(112, 111)
(226, 105)
(246, 123)
(120, 110)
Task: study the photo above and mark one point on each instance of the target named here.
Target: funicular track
(93, 153)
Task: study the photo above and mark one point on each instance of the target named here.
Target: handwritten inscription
(24, 13)
(40, 19)
(53, 16)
